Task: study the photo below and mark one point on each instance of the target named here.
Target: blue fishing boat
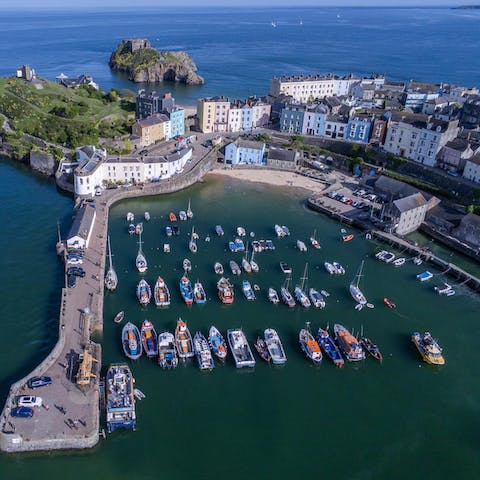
(248, 290)
(232, 246)
(168, 230)
(330, 347)
(217, 343)
(186, 290)
(167, 353)
(149, 338)
(239, 245)
(269, 245)
(132, 345)
(131, 229)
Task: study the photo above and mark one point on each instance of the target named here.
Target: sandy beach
(272, 177)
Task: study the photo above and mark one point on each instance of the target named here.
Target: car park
(349, 201)
(29, 401)
(36, 382)
(22, 412)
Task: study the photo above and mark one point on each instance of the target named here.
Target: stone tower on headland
(133, 44)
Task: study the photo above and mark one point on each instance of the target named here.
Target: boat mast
(109, 254)
(140, 244)
(304, 276)
(358, 275)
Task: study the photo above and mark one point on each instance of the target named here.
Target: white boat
(218, 268)
(389, 257)
(339, 270)
(330, 268)
(274, 346)
(130, 217)
(398, 262)
(273, 296)
(246, 265)
(189, 210)
(301, 246)
(240, 348)
(187, 265)
(139, 395)
(111, 279)
(166, 248)
(217, 343)
(279, 231)
(235, 268)
(424, 276)
(144, 293)
(192, 245)
(287, 297)
(202, 352)
(355, 291)
(146, 215)
(253, 263)
(199, 294)
(286, 230)
(167, 353)
(380, 255)
(183, 340)
(241, 232)
(141, 261)
(300, 294)
(182, 215)
(247, 290)
(161, 293)
(285, 267)
(139, 228)
(324, 293)
(417, 261)
(444, 289)
(316, 298)
(219, 230)
(314, 242)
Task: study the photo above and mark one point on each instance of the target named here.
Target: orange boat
(172, 217)
(347, 238)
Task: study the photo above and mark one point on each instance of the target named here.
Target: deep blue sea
(238, 51)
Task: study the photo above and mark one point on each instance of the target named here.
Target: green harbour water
(399, 419)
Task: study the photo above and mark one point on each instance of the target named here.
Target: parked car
(22, 412)
(76, 260)
(71, 281)
(77, 271)
(36, 382)
(29, 401)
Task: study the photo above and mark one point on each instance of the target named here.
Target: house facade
(283, 158)
(152, 129)
(124, 169)
(359, 128)
(82, 227)
(245, 152)
(472, 169)
(292, 118)
(408, 213)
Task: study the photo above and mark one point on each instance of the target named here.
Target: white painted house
(95, 173)
(245, 152)
(82, 227)
(472, 169)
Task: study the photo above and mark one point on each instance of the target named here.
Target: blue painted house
(245, 152)
(292, 118)
(359, 128)
(177, 122)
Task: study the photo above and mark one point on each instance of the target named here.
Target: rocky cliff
(141, 63)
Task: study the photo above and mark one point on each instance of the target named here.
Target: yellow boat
(428, 348)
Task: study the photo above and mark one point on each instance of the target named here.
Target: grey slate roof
(282, 154)
(83, 222)
(408, 203)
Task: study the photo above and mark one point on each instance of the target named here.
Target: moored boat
(111, 279)
(168, 231)
(192, 245)
(120, 401)
(347, 238)
(247, 290)
(425, 276)
(141, 261)
(309, 345)
(189, 210)
(131, 342)
(218, 268)
(131, 229)
(355, 291)
(329, 347)
(429, 348)
(239, 245)
(175, 230)
(219, 230)
(274, 346)
(241, 232)
(301, 246)
(241, 352)
(299, 291)
(225, 291)
(149, 338)
(199, 294)
(235, 268)
(167, 353)
(371, 348)
(313, 240)
(330, 268)
(389, 303)
(217, 343)
(316, 298)
(130, 217)
(273, 296)
(161, 293)
(202, 352)
(146, 215)
(187, 265)
(279, 231)
(119, 317)
(186, 290)
(183, 340)
(182, 215)
(285, 267)
(398, 262)
(246, 265)
(287, 297)
(139, 228)
(172, 217)
(261, 348)
(339, 270)
(286, 230)
(348, 344)
(144, 293)
(268, 245)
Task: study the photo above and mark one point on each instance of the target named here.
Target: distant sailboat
(355, 291)
(111, 279)
(140, 261)
(189, 210)
(273, 24)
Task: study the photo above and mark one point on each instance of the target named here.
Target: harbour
(400, 370)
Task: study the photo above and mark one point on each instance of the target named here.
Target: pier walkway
(72, 418)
